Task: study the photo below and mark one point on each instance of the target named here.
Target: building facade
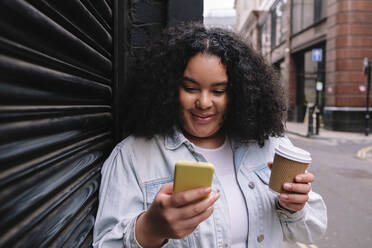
(318, 46)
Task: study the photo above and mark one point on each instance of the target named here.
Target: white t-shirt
(223, 161)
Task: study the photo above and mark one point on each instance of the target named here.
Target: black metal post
(310, 130)
(317, 120)
(367, 70)
(316, 96)
(317, 99)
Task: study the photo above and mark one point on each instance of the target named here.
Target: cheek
(186, 102)
(222, 106)
(182, 103)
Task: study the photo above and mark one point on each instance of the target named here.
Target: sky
(210, 5)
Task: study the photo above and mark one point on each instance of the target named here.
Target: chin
(205, 134)
(202, 136)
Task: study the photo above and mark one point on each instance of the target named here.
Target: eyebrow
(196, 82)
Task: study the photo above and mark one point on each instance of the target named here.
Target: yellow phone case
(190, 175)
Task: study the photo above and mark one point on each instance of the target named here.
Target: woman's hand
(297, 197)
(173, 215)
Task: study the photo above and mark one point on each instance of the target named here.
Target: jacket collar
(240, 150)
(176, 139)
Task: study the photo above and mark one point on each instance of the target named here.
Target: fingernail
(207, 190)
(299, 178)
(284, 196)
(287, 186)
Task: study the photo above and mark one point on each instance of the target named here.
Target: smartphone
(190, 175)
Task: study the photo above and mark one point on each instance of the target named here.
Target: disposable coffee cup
(289, 161)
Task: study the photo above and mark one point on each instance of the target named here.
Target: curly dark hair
(256, 107)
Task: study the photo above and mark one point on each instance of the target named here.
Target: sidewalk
(300, 129)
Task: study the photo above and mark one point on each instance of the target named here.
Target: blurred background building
(318, 46)
(219, 13)
(224, 18)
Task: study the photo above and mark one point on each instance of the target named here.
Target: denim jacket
(138, 167)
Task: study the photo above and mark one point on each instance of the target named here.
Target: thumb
(166, 189)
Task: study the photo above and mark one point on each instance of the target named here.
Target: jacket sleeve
(120, 203)
(307, 225)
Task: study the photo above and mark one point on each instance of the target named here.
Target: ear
(270, 165)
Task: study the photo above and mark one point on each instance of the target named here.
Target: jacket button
(251, 185)
(260, 238)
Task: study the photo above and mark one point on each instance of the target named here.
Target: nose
(204, 101)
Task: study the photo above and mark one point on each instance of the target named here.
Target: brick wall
(349, 40)
(147, 19)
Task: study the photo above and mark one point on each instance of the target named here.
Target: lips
(202, 118)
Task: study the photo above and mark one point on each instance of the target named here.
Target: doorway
(310, 81)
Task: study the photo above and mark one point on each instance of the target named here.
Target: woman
(203, 95)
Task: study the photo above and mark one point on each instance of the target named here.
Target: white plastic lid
(293, 153)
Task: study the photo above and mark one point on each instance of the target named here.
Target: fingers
(182, 220)
(189, 196)
(305, 178)
(200, 207)
(166, 189)
(297, 187)
(196, 220)
(185, 227)
(293, 198)
(297, 197)
(293, 202)
(302, 185)
(177, 215)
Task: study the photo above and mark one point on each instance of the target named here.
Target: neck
(210, 142)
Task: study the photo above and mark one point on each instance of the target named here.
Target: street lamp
(367, 71)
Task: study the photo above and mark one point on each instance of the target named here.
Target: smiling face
(203, 100)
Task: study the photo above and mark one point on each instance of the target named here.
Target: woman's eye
(190, 89)
(219, 92)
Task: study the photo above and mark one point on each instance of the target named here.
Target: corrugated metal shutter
(56, 122)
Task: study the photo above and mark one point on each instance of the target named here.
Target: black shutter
(56, 122)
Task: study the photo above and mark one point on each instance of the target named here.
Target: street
(344, 179)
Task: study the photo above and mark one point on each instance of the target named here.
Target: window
(265, 37)
(320, 8)
(296, 16)
(307, 12)
(277, 25)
